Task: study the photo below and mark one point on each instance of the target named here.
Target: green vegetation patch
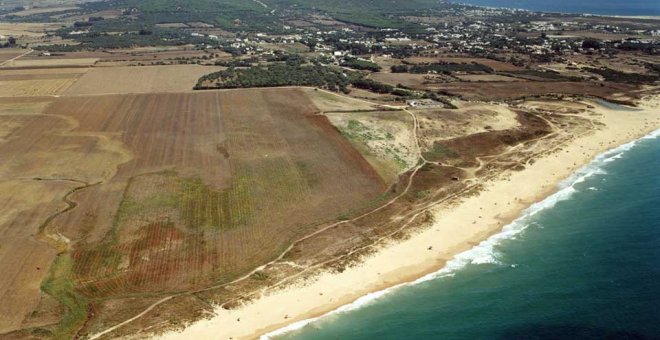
(59, 284)
(222, 13)
(202, 207)
(358, 131)
(377, 145)
(440, 151)
(279, 181)
(373, 86)
(372, 13)
(280, 74)
(442, 68)
(543, 74)
(131, 207)
(622, 77)
(194, 202)
(360, 64)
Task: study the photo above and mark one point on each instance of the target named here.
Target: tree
(11, 41)
(81, 24)
(399, 68)
(590, 43)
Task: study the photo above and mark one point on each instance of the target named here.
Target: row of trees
(291, 73)
(373, 86)
(359, 64)
(280, 74)
(442, 68)
(623, 77)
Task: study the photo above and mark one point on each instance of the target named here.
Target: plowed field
(148, 194)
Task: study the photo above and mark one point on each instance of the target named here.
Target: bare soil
(139, 79)
(153, 194)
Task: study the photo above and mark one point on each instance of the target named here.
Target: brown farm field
(139, 79)
(9, 53)
(50, 62)
(37, 82)
(31, 30)
(487, 78)
(412, 80)
(140, 195)
(43, 10)
(39, 87)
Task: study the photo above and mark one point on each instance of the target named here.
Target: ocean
(582, 264)
(601, 7)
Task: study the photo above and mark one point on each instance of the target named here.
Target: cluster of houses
(469, 36)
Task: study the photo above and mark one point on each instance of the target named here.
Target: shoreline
(481, 253)
(455, 231)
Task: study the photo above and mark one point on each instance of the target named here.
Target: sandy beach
(455, 230)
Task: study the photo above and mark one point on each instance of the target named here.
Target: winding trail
(261, 3)
(58, 241)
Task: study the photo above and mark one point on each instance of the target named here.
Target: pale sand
(454, 231)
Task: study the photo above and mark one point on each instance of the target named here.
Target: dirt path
(15, 58)
(261, 3)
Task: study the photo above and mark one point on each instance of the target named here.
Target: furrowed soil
(43, 163)
(140, 196)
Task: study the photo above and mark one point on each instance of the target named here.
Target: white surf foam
(485, 252)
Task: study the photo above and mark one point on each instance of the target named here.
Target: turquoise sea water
(582, 264)
(602, 7)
